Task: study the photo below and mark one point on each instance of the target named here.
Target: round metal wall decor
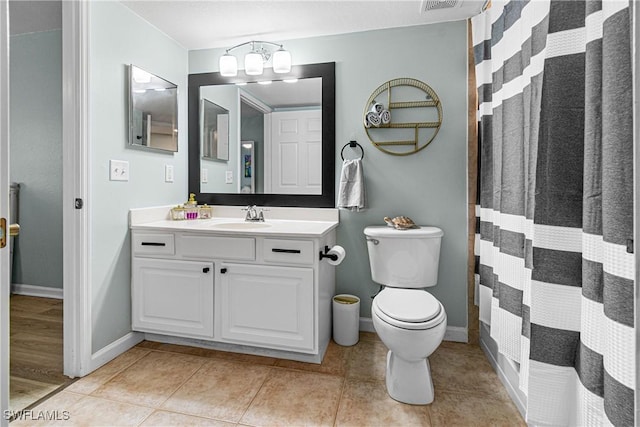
(402, 116)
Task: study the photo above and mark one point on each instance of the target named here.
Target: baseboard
(456, 334)
(366, 324)
(453, 333)
(36, 291)
(114, 350)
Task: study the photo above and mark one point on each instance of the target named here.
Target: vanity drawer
(153, 244)
(288, 251)
(195, 246)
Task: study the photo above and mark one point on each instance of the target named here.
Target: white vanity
(223, 283)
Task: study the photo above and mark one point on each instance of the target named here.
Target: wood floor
(36, 349)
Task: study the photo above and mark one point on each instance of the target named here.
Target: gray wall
(429, 186)
(36, 155)
(117, 38)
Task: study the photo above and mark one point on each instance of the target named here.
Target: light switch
(204, 175)
(168, 173)
(118, 170)
(228, 177)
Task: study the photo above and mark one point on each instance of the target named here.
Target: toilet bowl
(409, 320)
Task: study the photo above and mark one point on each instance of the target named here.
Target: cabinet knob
(205, 270)
(223, 270)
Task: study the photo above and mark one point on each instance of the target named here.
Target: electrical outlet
(118, 170)
(204, 175)
(168, 173)
(228, 177)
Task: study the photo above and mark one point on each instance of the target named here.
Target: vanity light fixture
(254, 60)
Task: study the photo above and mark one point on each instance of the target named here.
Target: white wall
(118, 38)
(429, 186)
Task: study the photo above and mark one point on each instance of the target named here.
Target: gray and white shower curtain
(555, 210)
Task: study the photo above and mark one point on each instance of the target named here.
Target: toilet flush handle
(374, 241)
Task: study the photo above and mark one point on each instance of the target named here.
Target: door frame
(76, 182)
(5, 279)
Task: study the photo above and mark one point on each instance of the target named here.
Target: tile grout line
(255, 395)
(344, 386)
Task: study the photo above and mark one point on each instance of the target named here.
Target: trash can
(346, 319)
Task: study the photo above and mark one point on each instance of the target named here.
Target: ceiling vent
(428, 5)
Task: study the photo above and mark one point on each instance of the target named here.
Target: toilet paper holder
(326, 254)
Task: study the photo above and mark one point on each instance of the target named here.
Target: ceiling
(223, 23)
(203, 24)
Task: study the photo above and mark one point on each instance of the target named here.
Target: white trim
(113, 350)
(36, 291)
(636, 190)
(456, 334)
(453, 333)
(76, 171)
(5, 280)
(366, 324)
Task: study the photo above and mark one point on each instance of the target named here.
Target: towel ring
(352, 144)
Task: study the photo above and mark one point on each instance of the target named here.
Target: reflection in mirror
(288, 129)
(284, 121)
(247, 157)
(214, 131)
(153, 111)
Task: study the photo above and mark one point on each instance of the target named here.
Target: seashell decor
(400, 222)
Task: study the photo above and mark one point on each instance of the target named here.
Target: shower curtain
(556, 275)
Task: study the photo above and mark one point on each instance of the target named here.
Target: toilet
(409, 320)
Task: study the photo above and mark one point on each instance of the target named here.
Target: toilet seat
(408, 308)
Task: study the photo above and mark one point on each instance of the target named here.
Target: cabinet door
(173, 297)
(267, 306)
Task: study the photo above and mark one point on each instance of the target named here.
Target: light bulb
(281, 61)
(228, 65)
(253, 64)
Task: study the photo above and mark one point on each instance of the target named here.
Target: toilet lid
(408, 305)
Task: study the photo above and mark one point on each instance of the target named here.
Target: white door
(4, 211)
(296, 152)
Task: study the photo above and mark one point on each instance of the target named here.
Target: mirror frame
(175, 136)
(327, 198)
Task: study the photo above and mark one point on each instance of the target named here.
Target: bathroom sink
(240, 225)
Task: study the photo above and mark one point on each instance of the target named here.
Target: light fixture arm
(255, 60)
(252, 43)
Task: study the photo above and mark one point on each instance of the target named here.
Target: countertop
(236, 227)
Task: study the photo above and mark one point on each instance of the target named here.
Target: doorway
(35, 118)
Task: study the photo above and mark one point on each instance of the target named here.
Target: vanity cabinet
(267, 306)
(267, 294)
(172, 296)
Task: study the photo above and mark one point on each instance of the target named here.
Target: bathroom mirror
(214, 131)
(288, 172)
(153, 111)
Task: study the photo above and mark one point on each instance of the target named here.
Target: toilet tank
(404, 258)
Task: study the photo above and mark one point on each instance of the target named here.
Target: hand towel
(351, 195)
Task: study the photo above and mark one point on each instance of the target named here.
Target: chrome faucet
(253, 215)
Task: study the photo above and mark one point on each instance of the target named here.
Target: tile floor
(157, 384)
